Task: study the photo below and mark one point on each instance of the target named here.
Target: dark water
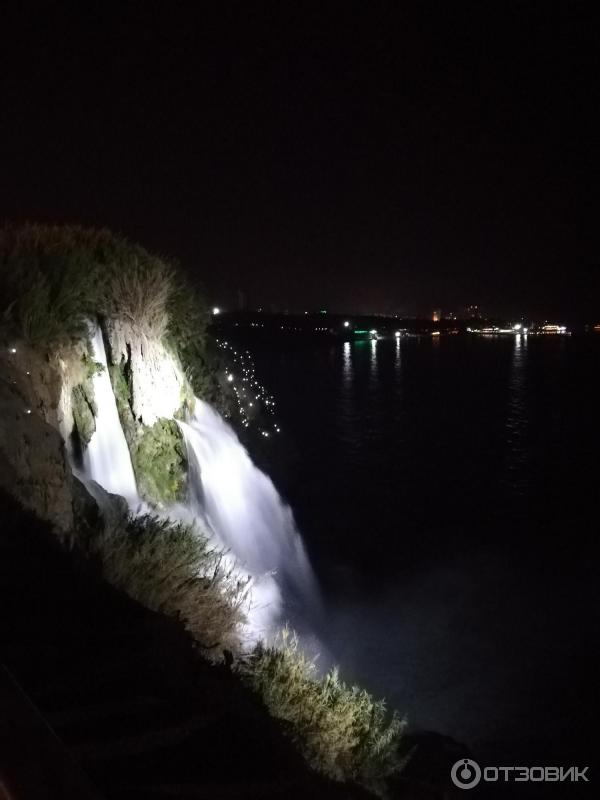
(448, 494)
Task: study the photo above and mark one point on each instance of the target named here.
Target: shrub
(140, 293)
(46, 290)
(172, 568)
(52, 278)
(341, 730)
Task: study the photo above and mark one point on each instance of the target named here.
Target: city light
(216, 310)
(553, 329)
(517, 326)
(346, 324)
(230, 378)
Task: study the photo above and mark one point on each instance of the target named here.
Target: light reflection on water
(517, 418)
(453, 471)
(373, 360)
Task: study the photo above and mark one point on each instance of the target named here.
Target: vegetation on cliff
(53, 281)
(174, 569)
(341, 730)
(160, 463)
(54, 278)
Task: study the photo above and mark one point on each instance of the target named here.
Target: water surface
(447, 493)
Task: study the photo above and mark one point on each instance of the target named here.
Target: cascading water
(107, 460)
(228, 496)
(244, 509)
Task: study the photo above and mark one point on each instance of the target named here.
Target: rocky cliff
(33, 461)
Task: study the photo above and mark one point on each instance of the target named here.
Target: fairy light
(246, 379)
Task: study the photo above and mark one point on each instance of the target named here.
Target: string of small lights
(251, 396)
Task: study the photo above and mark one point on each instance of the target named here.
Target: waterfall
(106, 459)
(244, 509)
(229, 497)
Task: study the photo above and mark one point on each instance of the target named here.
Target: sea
(447, 490)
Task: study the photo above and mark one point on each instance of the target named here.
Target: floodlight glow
(517, 326)
(230, 378)
(216, 310)
(346, 324)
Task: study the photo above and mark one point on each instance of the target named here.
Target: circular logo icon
(466, 773)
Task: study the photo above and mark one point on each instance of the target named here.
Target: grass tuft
(341, 730)
(174, 569)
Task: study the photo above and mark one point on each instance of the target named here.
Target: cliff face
(33, 463)
(151, 388)
(48, 415)
(155, 378)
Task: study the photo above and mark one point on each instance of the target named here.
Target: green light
(361, 331)
(322, 311)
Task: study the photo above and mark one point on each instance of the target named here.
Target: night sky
(380, 156)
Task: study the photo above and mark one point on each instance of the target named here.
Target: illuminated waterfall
(106, 459)
(228, 496)
(244, 509)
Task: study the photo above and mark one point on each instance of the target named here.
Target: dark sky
(370, 156)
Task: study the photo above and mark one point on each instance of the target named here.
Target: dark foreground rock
(136, 710)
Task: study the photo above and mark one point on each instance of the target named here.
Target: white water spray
(244, 509)
(106, 459)
(228, 496)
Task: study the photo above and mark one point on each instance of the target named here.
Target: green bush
(160, 462)
(172, 568)
(341, 730)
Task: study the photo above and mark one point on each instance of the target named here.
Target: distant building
(437, 315)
